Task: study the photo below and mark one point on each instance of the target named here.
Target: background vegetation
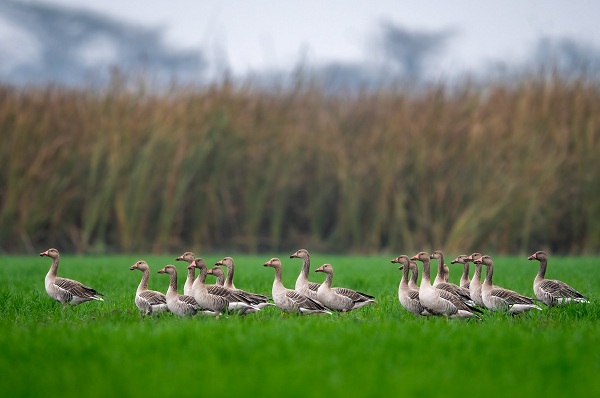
(103, 349)
(510, 167)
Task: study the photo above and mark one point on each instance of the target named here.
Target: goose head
(539, 255)
(302, 253)
(437, 255)
(52, 253)
(169, 269)
(226, 261)
(187, 256)
(421, 256)
(462, 259)
(326, 268)
(197, 263)
(141, 265)
(274, 263)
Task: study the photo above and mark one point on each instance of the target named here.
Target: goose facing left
(552, 292)
(148, 301)
(66, 290)
(336, 301)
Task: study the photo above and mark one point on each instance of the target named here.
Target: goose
(336, 301)
(148, 301)
(475, 284)
(437, 301)
(310, 288)
(442, 277)
(552, 292)
(218, 298)
(414, 276)
(498, 298)
(303, 286)
(292, 301)
(464, 278)
(181, 304)
(256, 299)
(66, 290)
(189, 258)
(409, 298)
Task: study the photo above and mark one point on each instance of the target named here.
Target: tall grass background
(509, 167)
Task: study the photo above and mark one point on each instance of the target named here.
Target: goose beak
(132, 268)
(162, 271)
(532, 257)
(220, 262)
(179, 259)
(401, 267)
(415, 257)
(42, 254)
(394, 261)
(320, 269)
(209, 272)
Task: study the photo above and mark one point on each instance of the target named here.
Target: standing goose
(475, 284)
(464, 278)
(336, 301)
(292, 301)
(303, 286)
(66, 290)
(148, 301)
(499, 298)
(189, 258)
(414, 276)
(256, 299)
(218, 298)
(179, 304)
(310, 288)
(442, 277)
(437, 301)
(552, 292)
(409, 298)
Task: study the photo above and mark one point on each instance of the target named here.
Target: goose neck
(144, 282)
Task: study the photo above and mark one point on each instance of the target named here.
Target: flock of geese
(440, 298)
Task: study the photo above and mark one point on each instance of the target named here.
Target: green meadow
(105, 349)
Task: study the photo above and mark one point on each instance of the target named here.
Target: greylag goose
(442, 277)
(189, 258)
(552, 292)
(414, 276)
(310, 288)
(217, 272)
(218, 298)
(409, 298)
(66, 290)
(148, 301)
(256, 299)
(292, 301)
(464, 278)
(475, 284)
(437, 301)
(498, 298)
(179, 304)
(303, 286)
(336, 301)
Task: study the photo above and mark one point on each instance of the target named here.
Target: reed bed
(505, 168)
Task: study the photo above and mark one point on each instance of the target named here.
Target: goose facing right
(552, 292)
(148, 301)
(336, 301)
(292, 301)
(66, 291)
(498, 298)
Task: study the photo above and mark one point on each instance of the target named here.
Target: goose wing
(352, 294)
(77, 289)
(152, 297)
(302, 301)
(559, 289)
(510, 297)
(313, 286)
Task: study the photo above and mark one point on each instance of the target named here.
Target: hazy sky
(253, 35)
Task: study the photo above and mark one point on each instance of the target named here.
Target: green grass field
(105, 349)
